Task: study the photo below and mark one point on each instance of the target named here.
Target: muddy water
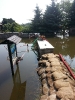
(25, 85)
(66, 47)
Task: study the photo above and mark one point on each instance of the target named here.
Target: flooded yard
(25, 84)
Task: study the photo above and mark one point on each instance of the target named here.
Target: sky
(22, 11)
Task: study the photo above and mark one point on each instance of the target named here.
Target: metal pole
(10, 58)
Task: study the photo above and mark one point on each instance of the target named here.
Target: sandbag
(52, 97)
(52, 91)
(71, 81)
(41, 70)
(53, 60)
(48, 75)
(50, 55)
(58, 75)
(44, 56)
(45, 89)
(43, 81)
(56, 68)
(56, 63)
(48, 64)
(48, 69)
(42, 62)
(65, 92)
(57, 55)
(61, 83)
(43, 76)
(50, 82)
(44, 97)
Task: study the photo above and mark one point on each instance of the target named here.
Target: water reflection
(63, 46)
(18, 91)
(71, 61)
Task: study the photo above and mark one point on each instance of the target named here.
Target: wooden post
(16, 50)
(10, 58)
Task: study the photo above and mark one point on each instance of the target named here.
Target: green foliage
(57, 16)
(72, 15)
(15, 27)
(52, 19)
(37, 21)
(9, 25)
(64, 8)
(6, 21)
(26, 28)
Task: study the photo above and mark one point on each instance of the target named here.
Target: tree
(5, 21)
(51, 19)
(72, 16)
(15, 27)
(64, 8)
(26, 28)
(7, 27)
(36, 22)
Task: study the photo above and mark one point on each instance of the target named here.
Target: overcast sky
(22, 11)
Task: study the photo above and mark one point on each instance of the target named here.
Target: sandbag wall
(56, 81)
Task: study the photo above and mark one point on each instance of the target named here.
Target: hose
(68, 67)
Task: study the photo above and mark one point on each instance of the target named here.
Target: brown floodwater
(25, 84)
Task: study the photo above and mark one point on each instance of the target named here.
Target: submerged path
(56, 81)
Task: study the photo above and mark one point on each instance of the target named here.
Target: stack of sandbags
(56, 81)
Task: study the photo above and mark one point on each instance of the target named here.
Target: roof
(13, 39)
(44, 44)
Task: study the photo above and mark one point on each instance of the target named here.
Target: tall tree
(64, 8)
(72, 15)
(51, 19)
(36, 22)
